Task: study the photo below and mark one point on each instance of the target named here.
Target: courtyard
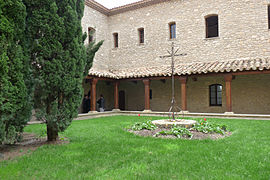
(101, 148)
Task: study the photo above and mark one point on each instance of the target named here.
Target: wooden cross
(171, 55)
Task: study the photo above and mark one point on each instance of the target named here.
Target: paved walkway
(92, 115)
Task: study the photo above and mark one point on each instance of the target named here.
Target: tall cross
(171, 55)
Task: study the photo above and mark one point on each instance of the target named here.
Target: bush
(15, 74)
(143, 125)
(206, 127)
(176, 131)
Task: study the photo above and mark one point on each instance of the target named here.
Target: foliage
(58, 56)
(144, 125)
(206, 127)
(42, 132)
(91, 50)
(15, 79)
(100, 149)
(176, 131)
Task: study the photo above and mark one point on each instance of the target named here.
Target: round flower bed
(201, 129)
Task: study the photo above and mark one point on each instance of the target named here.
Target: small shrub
(143, 125)
(42, 132)
(176, 131)
(206, 127)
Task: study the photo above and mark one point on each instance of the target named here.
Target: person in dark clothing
(86, 104)
(101, 103)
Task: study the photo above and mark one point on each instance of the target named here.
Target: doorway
(122, 100)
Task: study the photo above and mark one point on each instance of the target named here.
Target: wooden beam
(228, 83)
(183, 81)
(93, 94)
(116, 95)
(252, 72)
(100, 78)
(147, 93)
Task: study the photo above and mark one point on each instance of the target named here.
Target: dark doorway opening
(122, 100)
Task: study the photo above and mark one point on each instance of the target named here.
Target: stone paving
(92, 115)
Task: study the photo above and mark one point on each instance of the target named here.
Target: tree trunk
(52, 134)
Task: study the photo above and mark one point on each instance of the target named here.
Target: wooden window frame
(207, 28)
(216, 95)
(91, 34)
(116, 40)
(141, 35)
(172, 35)
(268, 9)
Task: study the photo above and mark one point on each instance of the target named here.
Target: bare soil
(196, 134)
(28, 145)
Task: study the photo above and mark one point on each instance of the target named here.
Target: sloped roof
(121, 9)
(258, 64)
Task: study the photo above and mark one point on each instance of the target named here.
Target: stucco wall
(251, 94)
(134, 95)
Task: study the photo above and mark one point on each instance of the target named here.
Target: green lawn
(101, 149)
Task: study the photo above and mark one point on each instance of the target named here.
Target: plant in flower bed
(176, 131)
(143, 125)
(201, 130)
(206, 127)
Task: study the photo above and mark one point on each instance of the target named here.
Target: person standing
(101, 103)
(86, 104)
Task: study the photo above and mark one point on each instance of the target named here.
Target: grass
(101, 149)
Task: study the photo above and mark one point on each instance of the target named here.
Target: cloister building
(226, 68)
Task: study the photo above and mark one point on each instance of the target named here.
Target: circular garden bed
(201, 129)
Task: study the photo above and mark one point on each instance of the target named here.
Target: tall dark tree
(15, 86)
(91, 50)
(58, 55)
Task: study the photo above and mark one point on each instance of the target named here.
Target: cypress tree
(15, 91)
(59, 58)
(91, 50)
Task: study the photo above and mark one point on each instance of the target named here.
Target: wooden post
(116, 95)
(228, 83)
(183, 81)
(147, 93)
(93, 94)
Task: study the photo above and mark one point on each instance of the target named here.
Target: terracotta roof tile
(186, 69)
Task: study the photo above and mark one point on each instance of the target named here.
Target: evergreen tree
(15, 91)
(91, 50)
(59, 59)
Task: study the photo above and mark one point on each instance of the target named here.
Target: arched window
(91, 34)
(215, 94)
(172, 27)
(211, 23)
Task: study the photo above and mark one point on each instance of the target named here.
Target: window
(211, 26)
(150, 94)
(141, 35)
(215, 91)
(115, 37)
(268, 16)
(172, 27)
(91, 34)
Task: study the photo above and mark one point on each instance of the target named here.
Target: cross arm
(183, 54)
(165, 56)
